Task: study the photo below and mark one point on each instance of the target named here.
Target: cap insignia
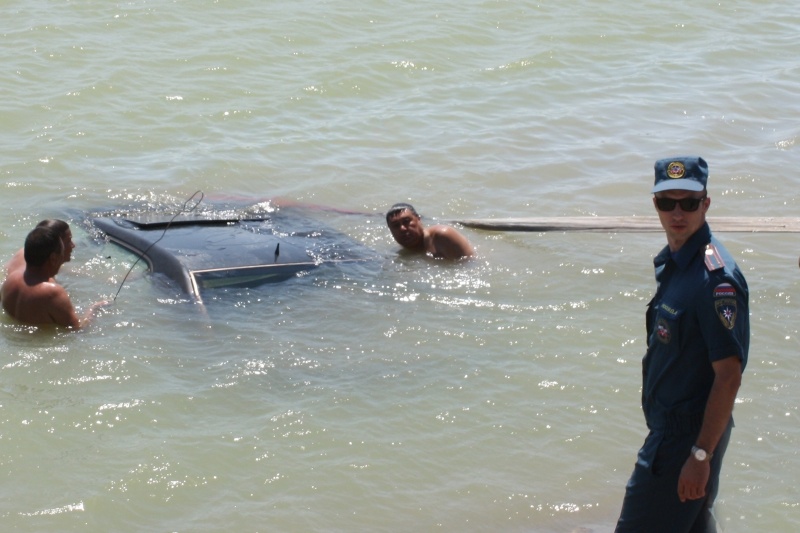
(676, 170)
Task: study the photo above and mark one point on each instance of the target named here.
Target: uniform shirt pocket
(665, 327)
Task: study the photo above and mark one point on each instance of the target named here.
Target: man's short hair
(55, 224)
(396, 208)
(40, 244)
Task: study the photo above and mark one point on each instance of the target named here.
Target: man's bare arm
(61, 310)
(727, 379)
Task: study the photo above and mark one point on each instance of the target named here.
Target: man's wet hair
(40, 244)
(396, 208)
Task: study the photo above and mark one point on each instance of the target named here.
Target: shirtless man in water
(30, 292)
(439, 241)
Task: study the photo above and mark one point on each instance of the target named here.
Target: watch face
(700, 454)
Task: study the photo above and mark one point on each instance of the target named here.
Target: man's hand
(92, 311)
(693, 480)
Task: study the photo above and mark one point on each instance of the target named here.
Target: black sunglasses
(687, 204)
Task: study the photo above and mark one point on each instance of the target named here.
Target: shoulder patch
(712, 258)
(724, 290)
(725, 304)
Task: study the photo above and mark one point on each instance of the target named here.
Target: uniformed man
(439, 241)
(698, 335)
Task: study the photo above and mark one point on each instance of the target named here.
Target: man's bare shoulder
(17, 262)
(447, 242)
(447, 232)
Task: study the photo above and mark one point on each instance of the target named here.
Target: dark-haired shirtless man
(439, 241)
(30, 293)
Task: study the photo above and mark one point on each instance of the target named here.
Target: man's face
(406, 229)
(66, 241)
(678, 223)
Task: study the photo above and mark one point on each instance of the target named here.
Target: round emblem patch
(662, 331)
(676, 170)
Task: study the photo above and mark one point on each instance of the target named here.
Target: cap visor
(678, 185)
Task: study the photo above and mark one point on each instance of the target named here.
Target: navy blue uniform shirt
(699, 315)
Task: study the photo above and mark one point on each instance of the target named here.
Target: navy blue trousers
(651, 503)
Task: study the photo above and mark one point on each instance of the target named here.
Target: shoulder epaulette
(713, 260)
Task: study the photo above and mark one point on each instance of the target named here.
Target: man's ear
(55, 258)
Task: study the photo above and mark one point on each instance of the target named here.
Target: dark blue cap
(681, 173)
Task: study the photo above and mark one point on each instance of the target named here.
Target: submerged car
(217, 248)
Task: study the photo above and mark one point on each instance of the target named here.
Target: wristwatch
(700, 454)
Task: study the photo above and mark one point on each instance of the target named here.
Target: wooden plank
(631, 224)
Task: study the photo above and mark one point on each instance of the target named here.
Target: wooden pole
(631, 224)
